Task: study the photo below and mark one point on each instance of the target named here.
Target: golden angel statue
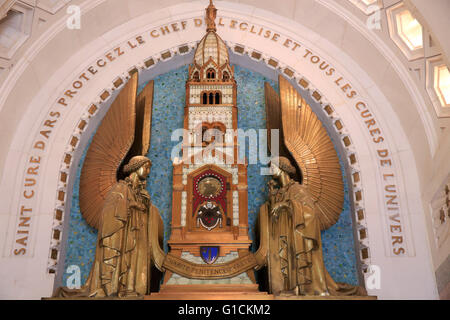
(306, 196)
(114, 200)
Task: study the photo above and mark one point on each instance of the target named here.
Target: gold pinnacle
(211, 13)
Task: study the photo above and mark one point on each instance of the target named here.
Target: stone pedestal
(232, 292)
(210, 292)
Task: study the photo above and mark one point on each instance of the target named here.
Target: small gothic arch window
(205, 98)
(211, 98)
(211, 74)
(218, 98)
(226, 76)
(196, 76)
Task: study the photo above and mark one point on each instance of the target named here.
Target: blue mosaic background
(168, 113)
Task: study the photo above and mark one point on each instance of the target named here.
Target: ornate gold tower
(210, 183)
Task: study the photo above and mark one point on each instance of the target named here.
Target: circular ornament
(209, 187)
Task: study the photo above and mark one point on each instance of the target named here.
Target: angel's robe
(123, 259)
(295, 247)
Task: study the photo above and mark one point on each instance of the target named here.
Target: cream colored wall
(38, 72)
(436, 18)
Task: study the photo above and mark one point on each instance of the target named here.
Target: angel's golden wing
(311, 147)
(142, 135)
(144, 108)
(107, 151)
(273, 112)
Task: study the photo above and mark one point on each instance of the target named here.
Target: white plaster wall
(435, 18)
(48, 71)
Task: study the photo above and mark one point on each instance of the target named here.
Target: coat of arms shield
(209, 254)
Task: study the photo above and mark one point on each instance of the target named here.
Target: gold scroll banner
(207, 272)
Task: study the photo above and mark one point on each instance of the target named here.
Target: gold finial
(211, 13)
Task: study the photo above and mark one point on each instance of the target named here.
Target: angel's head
(140, 165)
(280, 165)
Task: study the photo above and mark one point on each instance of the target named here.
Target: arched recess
(142, 54)
(92, 117)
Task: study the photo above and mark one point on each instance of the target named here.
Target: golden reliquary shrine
(210, 196)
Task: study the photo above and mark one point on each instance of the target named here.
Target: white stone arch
(398, 274)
